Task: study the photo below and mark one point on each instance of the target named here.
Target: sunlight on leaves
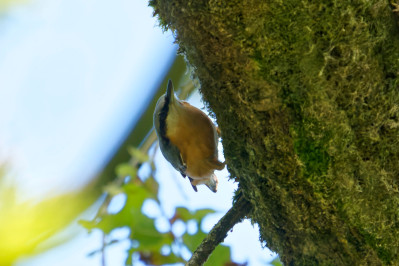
(113, 189)
(25, 225)
(193, 241)
(138, 154)
(220, 256)
(276, 262)
(185, 215)
(125, 169)
(6, 4)
(147, 243)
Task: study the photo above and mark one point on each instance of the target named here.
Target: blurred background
(82, 181)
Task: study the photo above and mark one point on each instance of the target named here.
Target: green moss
(306, 95)
(384, 254)
(312, 153)
(162, 23)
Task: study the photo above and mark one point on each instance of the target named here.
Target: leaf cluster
(147, 243)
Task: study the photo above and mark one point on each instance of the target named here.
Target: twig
(219, 232)
(103, 250)
(144, 147)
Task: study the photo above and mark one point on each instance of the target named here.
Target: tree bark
(306, 96)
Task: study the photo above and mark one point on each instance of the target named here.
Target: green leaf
(128, 216)
(125, 169)
(144, 231)
(156, 258)
(107, 223)
(182, 213)
(276, 262)
(112, 189)
(138, 154)
(170, 259)
(185, 215)
(220, 256)
(200, 214)
(159, 259)
(89, 225)
(152, 186)
(193, 241)
(136, 195)
(113, 221)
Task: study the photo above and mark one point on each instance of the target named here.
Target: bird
(188, 139)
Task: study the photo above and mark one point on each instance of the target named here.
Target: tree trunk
(306, 96)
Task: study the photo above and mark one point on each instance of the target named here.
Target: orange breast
(195, 138)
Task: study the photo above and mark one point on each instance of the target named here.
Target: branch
(219, 232)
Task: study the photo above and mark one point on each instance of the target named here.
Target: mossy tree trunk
(306, 95)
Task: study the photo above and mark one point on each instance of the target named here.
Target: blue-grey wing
(173, 155)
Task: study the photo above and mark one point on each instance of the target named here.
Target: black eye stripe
(162, 117)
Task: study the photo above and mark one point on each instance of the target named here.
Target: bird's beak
(170, 92)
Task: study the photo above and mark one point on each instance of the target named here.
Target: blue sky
(72, 73)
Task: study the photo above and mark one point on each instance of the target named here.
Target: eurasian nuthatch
(188, 139)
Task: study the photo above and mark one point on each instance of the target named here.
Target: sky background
(74, 76)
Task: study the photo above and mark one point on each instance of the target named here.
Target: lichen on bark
(306, 95)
